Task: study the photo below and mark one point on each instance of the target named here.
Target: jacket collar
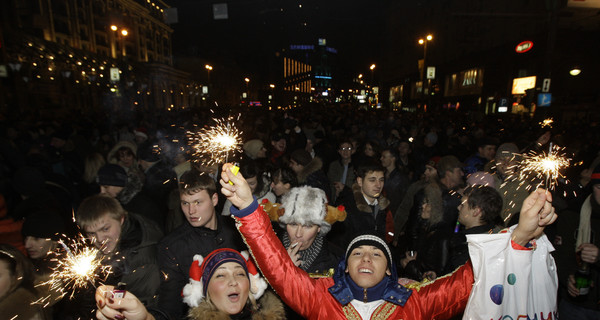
(362, 204)
(391, 291)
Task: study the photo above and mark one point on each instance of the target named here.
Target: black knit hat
(112, 175)
(45, 224)
(370, 240)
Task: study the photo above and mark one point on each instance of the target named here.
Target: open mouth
(234, 297)
(364, 270)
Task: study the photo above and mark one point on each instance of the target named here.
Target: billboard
(521, 84)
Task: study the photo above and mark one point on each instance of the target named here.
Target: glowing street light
(372, 67)
(124, 32)
(575, 71)
(424, 42)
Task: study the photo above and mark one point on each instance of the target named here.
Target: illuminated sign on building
(466, 82)
(524, 46)
(521, 84)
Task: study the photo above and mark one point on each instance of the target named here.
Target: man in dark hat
(114, 182)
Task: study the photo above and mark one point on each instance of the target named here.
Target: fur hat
(305, 205)
(252, 147)
(202, 270)
(112, 175)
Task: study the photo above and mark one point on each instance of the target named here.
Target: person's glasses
(346, 149)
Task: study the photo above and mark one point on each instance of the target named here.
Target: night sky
(259, 28)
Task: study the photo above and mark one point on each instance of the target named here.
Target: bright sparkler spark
(547, 123)
(79, 268)
(213, 145)
(545, 166)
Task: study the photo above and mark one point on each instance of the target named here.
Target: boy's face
(199, 209)
(372, 184)
(105, 233)
(367, 266)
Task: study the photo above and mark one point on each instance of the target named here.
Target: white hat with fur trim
(202, 270)
(305, 206)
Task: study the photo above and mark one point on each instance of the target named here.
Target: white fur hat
(194, 293)
(305, 205)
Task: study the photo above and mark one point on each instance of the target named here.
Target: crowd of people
(402, 190)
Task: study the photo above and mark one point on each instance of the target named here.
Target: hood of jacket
(314, 165)
(361, 203)
(132, 188)
(270, 308)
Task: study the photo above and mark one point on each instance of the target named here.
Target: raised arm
(291, 283)
(537, 212)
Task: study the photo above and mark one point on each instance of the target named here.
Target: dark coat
(312, 175)
(175, 255)
(138, 266)
(361, 217)
(395, 188)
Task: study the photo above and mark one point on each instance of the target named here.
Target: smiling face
(199, 209)
(105, 233)
(229, 287)
(367, 266)
(279, 145)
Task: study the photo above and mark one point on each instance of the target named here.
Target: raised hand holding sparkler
(111, 306)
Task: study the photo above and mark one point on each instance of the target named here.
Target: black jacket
(175, 255)
(138, 266)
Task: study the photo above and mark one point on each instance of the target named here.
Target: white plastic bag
(511, 284)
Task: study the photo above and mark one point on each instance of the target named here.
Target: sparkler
(212, 145)
(547, 123)
(545, 166)
(81, 267)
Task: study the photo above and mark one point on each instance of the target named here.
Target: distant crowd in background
(422, 182)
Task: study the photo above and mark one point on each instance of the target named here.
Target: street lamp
(575, 72)
(424, 42)
(121, 38)
(208, 68)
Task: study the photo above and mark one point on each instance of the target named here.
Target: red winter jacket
(440, 299)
